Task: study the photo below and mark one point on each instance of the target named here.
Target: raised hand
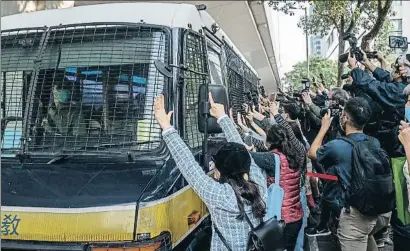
(163, 119)
(217, 110)
(306, 98)
(326, 121)
(274, 108)
(241, 123)
(404, 136)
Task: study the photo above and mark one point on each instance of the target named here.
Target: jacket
(391, 100)
(290, 182)
(218, 197)
(290, 179)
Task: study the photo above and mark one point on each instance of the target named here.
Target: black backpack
(371, 188)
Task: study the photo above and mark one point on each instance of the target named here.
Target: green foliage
(381, 42)
(343, 15)
(346, 16)
(317, 65)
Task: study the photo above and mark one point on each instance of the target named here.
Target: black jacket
(388, 103)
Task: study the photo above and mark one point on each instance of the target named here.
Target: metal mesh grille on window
(95, 90)
(235, 81)
(19, 50)
(241, 81)
(195, 60)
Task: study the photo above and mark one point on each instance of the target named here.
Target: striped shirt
(219, 198)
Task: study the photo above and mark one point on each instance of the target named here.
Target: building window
(396, 33)
(397, 25)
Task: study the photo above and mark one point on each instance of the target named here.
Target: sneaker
(319, 232)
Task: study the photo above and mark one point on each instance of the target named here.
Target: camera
(306, 87)
(334, 110)
(354, 50)
(345, 76)
(401, 43)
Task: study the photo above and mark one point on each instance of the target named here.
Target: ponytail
(249, 191)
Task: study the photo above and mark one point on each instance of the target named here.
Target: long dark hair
(249, 191)
(296, 130)
(278, 138)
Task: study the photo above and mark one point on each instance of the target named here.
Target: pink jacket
(290, 182)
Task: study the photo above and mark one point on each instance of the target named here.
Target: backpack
(371, 188)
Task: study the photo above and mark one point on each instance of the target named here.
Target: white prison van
(83, 163)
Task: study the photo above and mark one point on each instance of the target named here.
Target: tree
(317, 66)
(381, 42)
(345, 16)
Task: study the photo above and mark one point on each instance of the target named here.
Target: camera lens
(343, 57)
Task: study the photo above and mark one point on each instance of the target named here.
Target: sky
(292, 42)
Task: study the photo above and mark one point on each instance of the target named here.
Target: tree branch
(362, 6)
(381, 17)
(331, 19)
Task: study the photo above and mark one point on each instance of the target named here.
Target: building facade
(316, 46)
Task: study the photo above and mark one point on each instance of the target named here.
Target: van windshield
(93, 88)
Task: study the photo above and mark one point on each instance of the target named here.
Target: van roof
(166, 14)
(173, 15)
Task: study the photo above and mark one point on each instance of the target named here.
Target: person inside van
(238, 189)
(64, 116)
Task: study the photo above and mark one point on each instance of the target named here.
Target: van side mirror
(163, 68)
(220, 96)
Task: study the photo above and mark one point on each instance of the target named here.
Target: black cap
(232, 158)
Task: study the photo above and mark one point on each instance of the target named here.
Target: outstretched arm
(210, 191)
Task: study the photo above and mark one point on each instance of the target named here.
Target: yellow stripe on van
(178, 214)
(171, 216)
(68, 227)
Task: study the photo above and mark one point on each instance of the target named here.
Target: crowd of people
(342, 156)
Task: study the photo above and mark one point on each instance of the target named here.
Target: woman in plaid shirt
(239, 178)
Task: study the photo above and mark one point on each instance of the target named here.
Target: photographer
(311, 123)
(337, 98)
(385, 98)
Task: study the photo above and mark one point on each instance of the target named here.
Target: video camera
(334, 110)
(306, 87)
(401, 43)
(354, 50)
